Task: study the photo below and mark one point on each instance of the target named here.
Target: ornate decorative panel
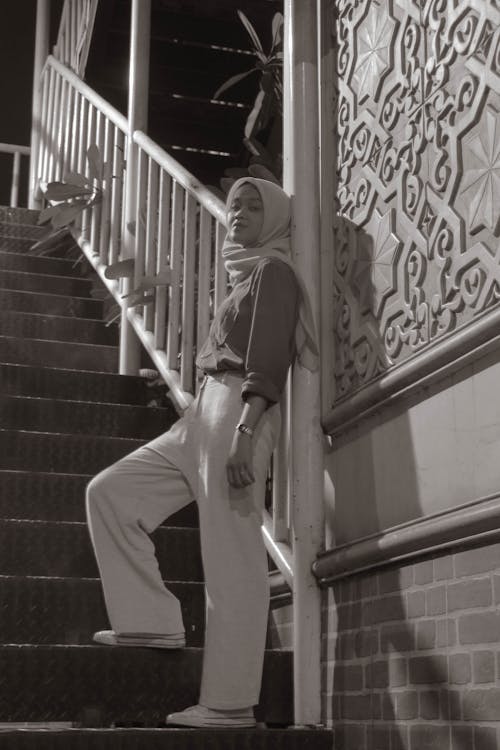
(417, 221)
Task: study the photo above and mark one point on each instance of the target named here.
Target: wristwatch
(245, 429)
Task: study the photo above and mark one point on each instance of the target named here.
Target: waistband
(225, 376)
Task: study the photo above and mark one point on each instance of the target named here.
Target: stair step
(57, 328)
(168, 739)
(43, 610)
(63, 550)
(133, 685)
(40, 496)
(74, 355)
(9, 215)
(47, 382)
(72, 454)
(61, 246)
(10, 261)
(33, 232)
(51, 304)
(82, 417)
(44, 283)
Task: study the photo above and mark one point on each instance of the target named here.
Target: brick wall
(412, 655)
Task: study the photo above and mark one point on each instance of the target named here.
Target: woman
(218, 453)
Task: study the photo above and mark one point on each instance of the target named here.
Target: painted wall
(415, 230)
(436, 450)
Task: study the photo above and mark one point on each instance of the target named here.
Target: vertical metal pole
(16, 171)
(301, 181)
(41, 53)
(130, 346)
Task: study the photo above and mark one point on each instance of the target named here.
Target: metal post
(130, 346)
(301, 181)
(41, 53)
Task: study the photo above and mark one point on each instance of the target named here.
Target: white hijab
(273, 242)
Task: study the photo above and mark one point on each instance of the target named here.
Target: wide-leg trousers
(131, 498)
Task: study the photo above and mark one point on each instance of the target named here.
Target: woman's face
(245, 216)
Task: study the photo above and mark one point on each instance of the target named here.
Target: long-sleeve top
(253, 331)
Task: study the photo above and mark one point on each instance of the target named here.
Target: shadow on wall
(374, 682)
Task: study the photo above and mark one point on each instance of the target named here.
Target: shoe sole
(139, 643)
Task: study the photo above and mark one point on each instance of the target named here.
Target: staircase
(65, 415)
(195, 47)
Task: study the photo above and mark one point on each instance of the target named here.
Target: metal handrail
(179, 230)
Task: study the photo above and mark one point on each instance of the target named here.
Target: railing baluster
(68, 134)
(140, 228)
(176, 266)
(162, 259)
(88, 140)
(96, 211)
(151, 238)
(204, 268)
(116, 187)
(187, 328)
(16, 171)
(107, 188)
(73, 159)
(48, 129)
(42, 144)
(220, 271)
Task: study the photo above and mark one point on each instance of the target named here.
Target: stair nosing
(49, 294)
(57, 341)
(137, 378)
(58, 317)
(139, 441)
(157, 409)
(47, 276)
(83, 524)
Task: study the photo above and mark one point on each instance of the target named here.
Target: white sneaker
(146, 640)
(203, 717)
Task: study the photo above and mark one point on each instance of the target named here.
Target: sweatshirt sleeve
(271, 345)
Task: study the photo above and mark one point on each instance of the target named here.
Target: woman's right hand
(239, 466)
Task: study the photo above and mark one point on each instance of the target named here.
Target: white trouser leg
(124, 503)
(234, 556)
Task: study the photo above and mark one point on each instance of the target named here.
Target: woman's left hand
(239, 466)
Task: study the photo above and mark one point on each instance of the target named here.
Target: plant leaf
(231, 81)
(75, 178)
(148, 283)
(47, 214)
(95, 162)
(251, 31)
(252, 119)
(277, 26)
(61, 191)
(139, 298)
(66, 215)
(122, 269)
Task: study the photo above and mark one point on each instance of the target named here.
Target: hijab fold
(274, 241)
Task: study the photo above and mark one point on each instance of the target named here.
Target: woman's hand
(239, 466)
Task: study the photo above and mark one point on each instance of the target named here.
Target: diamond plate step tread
(44, 610)
(168, 739)
(40, 264)
(41, 282)
(51, 304)
(63, 550)
(23, 243)
(57, 328)
(61, 683)
(39, 496)
(83, 417)
(69, 354)
(72, 454)
(76, 385)
(10, 215)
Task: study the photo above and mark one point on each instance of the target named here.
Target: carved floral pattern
(417, 220)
